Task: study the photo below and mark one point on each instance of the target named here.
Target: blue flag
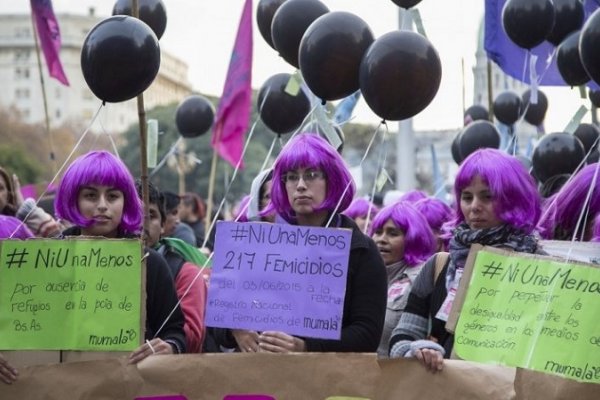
(511, 58)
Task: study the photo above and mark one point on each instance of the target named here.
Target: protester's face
(390, 242)
(171, 220)
(3, 193)
(104, 206)
(265, 199)
(306, 189)
(185, 211)
(477, 205)
(154, 225)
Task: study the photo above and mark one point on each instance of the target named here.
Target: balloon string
(381, 166)
(585, 210)
(352, 181)
(235, 171)
(264, 166)
(85, 132)
(166, 156)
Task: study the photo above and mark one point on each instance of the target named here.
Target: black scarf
(504, 236)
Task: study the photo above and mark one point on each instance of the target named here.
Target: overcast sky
(202, 32)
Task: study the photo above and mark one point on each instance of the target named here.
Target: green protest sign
(70, 295)
(532, 312)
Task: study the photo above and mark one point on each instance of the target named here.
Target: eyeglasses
(308, 177)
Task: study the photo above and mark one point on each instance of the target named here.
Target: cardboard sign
(279, 277)
(532, 312)
(70, 295)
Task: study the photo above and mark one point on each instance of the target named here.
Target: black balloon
(280, 111)
(589, 43)
(507, 107)
(556, 154)
(400, 75)
(593, 157)
(478, 135)
(194, 116)
(535, 113)
(594, 96)
(455, 149)
(475, 113)
(120, 58)
(152, 12)
(569, 15)
(406, 3)
(264, 17)
(330, 54)
(588, 134)
(290, 22)
(528, 22)
(569, 63)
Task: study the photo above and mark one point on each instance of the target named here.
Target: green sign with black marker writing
(70, 295)
(529, 312)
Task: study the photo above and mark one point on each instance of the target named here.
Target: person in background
(437, 213)
(361, 210)
(260, 196)
(566, 218)
(309, 180)
(405, 242)
(412, 196)
(497, 204)
(192, 211)
(173, 227)
(191, 288)
(97, 194)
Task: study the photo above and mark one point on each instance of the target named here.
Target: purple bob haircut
(360, 207)
(570, 200)
(98, 168)
(546, 223)
(435, 211)
(309, 150)
(516, 199)
(413, 196)
(419, 241)
(13, 228)
(596, 229)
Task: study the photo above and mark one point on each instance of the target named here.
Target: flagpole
(143, 144)
(490, 88)
(44, 96)
(211, 185)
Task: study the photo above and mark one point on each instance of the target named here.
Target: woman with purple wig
(405, 242)
(575, 208)
(361, 211)
(497, 204)
(437, 213)
(97, 194)
(309, 180)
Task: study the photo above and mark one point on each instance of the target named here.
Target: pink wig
(419, 241)
(98, 168)
(308, 150)
(516, 199)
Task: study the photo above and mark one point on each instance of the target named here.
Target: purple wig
(546, 223)
(570, 200)
(360, 207)
(596, 229)
(435, 211)
(308, 150)
(98, 168)
(413, 196)
(419, 241)
(516, 199)
(241, 214)
(13, 228)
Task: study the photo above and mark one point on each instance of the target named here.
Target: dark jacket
(161, 298)
(364, 303)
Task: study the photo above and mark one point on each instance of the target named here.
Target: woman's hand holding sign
(279, 342)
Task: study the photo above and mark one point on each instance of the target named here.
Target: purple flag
(233, 114)
(49, 35)
(512, 58)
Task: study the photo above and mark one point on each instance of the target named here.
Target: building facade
(22, 89)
